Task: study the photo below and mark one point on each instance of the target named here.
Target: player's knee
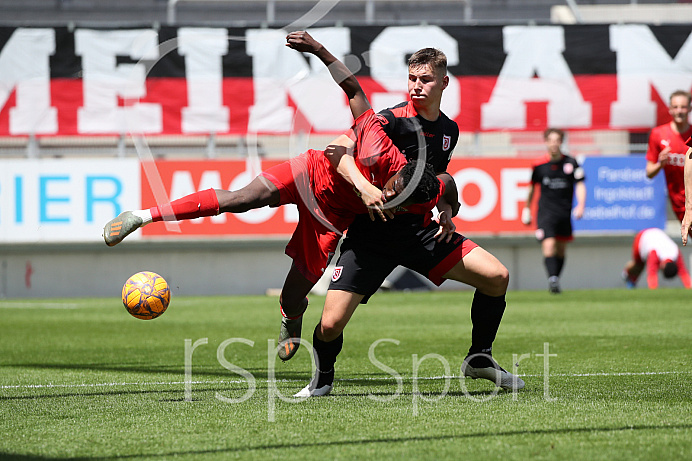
(331, 329)
(499, 282)
(293, 304)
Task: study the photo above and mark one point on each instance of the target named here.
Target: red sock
(203, 203)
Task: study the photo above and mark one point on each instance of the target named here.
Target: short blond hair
(433, 57)
(681, 93)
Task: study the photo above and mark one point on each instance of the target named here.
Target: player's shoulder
(448, 122)
(539, 162)
(660, 130)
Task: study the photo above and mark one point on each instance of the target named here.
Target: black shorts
(365, 263)
(550, 225)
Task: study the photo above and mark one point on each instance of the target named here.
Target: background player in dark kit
(559, 176)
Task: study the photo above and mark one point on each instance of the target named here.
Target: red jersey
(661, 137)
(376, 158)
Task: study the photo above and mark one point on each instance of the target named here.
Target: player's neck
(555, 156)
(679, 128)
(430, 112)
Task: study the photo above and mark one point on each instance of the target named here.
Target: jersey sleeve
(578, 171)
(374, 149)
(388, 121)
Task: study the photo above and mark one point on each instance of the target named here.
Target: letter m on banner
(643, 63)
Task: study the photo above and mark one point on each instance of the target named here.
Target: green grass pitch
(607, 377)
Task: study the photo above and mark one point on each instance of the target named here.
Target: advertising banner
(620, 197)
(64, 200)
(71, 200)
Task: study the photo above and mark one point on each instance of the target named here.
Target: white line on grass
(371, 378)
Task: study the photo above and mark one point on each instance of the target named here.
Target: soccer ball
(146, 295)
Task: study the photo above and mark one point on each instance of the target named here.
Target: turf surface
(607, 377)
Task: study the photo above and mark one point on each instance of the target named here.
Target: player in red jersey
(326, 186)
(667, 150)
(433, 249)
(654, 250)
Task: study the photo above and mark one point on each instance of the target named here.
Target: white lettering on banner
(621, 174)
(533, 50)
(388, 64)
(279, 71)
(512, 192)
(203, 50)
(104, 81)
(25, 65)
(488, 194)
(64, 200)
(616, 212)
(619, 194)
(643, 63)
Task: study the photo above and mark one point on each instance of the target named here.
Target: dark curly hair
(670, 269)
(428, 186)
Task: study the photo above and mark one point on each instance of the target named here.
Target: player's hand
(302, 41)
(663, 157)
(526, 216)
(578, 211)
(374, 199)
(447, 227)
(685, 227)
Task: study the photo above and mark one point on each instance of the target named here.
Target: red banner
(491, 193)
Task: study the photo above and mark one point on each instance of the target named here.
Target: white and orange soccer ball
(146, 295)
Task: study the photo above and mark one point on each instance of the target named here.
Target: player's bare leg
(294, 302)
(210, 202)
(328, 338)
(490, 277)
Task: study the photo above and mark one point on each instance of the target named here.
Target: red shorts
(317, 234)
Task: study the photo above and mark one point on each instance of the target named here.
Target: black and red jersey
(557, 180)
(440, 137)
(399, 122)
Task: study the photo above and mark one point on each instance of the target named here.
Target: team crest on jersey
(446, 142)
(568, 168)
(337, 273)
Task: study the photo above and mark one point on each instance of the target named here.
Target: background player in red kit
(370, 252)
(559, 177)
(667, 150)
(654, 250)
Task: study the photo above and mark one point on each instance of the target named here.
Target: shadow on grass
(566, 430)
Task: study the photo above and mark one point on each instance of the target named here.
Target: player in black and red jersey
(371, 251)
(559, 177)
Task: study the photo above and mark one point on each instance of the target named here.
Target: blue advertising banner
(620, 197)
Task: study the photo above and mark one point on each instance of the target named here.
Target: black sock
(560, 263)
(326, 352)
(486, 315)
(553, 266)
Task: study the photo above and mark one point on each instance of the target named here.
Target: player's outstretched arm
(357, 100)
